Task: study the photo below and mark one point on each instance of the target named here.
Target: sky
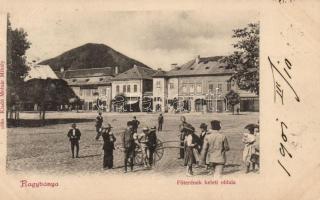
(155, 38)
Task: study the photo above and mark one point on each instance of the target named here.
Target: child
(249, 149)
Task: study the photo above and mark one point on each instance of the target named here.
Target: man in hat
(214, 149)
(182, 134)
(135, 124)
(160, 122)
(99, 121)
(152, 144)
(74, 135)
(204, 132)
(128, 146)
(108, 146)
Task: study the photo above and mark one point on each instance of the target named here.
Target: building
(40, 72)
(92, 86)
(135, 85)
(199, 85)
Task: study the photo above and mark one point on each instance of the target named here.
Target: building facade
(200, 85)
(92, 86)
(133, 89)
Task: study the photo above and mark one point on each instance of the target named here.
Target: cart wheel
(159, 151)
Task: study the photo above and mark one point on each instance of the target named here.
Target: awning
(132, 101)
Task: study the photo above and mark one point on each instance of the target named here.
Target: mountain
(92, 56)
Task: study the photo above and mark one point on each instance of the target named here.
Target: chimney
(197, 59)
(61, 69)
(116, 70)
(174, 65)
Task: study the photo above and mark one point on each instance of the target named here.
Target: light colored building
(91, 86)
(198, 85)
(136, 86)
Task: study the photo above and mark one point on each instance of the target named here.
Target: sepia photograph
(143, 92)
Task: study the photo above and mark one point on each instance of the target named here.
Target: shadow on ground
(37, 122)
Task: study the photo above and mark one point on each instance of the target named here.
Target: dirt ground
(46, 149)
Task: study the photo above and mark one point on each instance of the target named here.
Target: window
(103, 91)
(191, 89)
(135, 88)
(124, 88)
(184, 88)
(199, 88)
(128, 88)
(220, 87)
(158, 84)
(171, 85)
(211, 87)
(88, 92)
(228, 86)
(117, 89)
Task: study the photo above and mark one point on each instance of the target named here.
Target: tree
(233, 99)
(46, 92)
(17, 44)
(245, 59)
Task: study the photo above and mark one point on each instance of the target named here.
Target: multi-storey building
(91, 86)
(135, 85)
(198, 85)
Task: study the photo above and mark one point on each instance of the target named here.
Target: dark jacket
(152, 142)
(160, 119)
(108, 140)
(99, 121)
(202, 138)
(135, 125)
(75, 137)
(127, 139)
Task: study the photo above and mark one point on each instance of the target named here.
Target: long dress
(248, 140)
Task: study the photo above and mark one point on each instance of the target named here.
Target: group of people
(207, 149)
(132, 140)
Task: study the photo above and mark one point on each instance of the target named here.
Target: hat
(109, 126)
(153, 128)
(203, 125)
(189, 128)
(145, 129)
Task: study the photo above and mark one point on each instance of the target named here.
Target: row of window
(93, 92)
(190, 88)
(127, 88)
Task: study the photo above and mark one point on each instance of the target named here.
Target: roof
(137, 72)
(202, 66)
(105, 80)
(160, 73)
(40, 72)
(92, 72)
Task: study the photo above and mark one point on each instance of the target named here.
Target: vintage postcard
(150, 100)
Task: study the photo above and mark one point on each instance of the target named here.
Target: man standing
(128, 146)
(214, 149)
(135, 124)
(182, 134)
(152, 144)
(204, 132)
(160, 122)
(108, 147)
(99, 121)
(74, 135)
